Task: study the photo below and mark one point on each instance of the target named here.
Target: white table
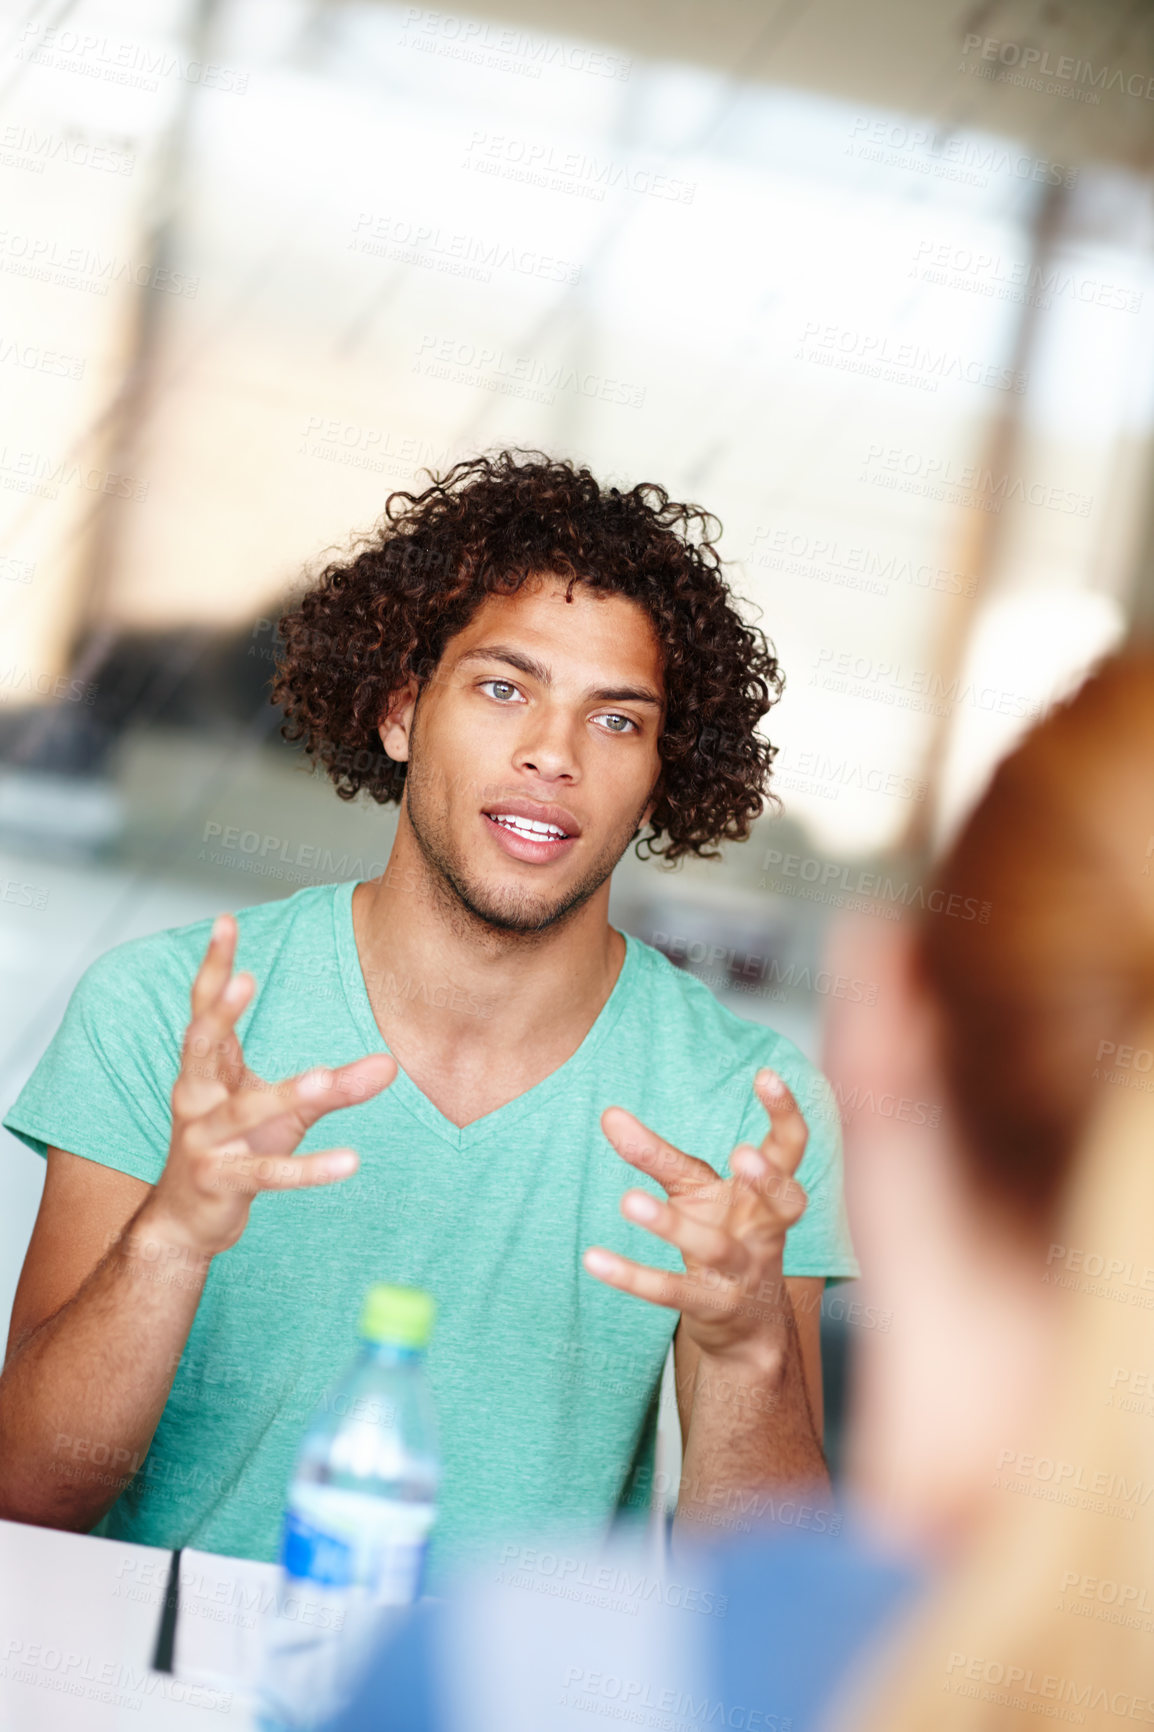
(79, 1619)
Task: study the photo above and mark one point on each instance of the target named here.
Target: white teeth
(526, 826)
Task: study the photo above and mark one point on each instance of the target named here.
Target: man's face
(532, 752)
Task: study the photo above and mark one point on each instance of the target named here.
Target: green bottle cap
(401, 1315)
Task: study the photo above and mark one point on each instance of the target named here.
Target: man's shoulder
(102, 1087)
(165, 962)
(691, 1019)
(694, 1061)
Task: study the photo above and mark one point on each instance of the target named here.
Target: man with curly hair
(538, 671)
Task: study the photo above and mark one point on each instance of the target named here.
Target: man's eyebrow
(499, 652)
(626, 695)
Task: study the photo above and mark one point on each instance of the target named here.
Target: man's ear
(396, 727)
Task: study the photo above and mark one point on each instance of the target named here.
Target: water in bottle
(358, 1518)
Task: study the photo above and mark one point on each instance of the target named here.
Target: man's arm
(100, 1319)
(740, 1363)
(115, 1267)
(752, 1427)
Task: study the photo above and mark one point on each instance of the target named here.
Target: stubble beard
(505, 909)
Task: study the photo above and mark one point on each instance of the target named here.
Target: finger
(245, 1112)
(782, 1198)
(657, 1286)
(248, 1173)
(210, 1028)
(784, 1142)
(213, 974)
(674, 1170)
(699, 1240)
(322, 1091)
(279, 1114)
(211, 1053)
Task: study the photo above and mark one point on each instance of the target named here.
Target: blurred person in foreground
(1003, 1427)
(1005, 1424)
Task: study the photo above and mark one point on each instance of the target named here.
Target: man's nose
(549, 749)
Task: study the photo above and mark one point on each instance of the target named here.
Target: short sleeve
(102, 1089)
(820, 1243)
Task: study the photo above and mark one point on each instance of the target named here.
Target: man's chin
(508, 908)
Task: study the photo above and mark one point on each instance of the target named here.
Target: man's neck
(473, 1014)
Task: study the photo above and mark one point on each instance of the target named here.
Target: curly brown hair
(385, 613)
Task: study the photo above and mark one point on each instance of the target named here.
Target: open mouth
(530, 829)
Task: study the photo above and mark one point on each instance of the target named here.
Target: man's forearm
(81, 1395)
(750, 1432)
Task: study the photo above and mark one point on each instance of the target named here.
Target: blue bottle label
(310, 1554)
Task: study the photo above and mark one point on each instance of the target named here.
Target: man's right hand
(234, 1134)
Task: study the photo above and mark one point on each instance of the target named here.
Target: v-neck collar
(405, 1091)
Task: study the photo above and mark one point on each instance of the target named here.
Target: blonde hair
(1049, 1613)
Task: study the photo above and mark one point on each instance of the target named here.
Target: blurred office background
(873, 282)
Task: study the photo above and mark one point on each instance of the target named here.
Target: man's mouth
(531, 831)
(531, 828)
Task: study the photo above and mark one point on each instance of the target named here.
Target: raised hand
(730, 1232)
(232, 1133)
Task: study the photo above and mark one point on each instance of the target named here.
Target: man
(538, 671)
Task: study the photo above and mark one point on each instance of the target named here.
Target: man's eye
(502, 690)
(618, 724)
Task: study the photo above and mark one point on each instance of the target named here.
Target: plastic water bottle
(358, 1518)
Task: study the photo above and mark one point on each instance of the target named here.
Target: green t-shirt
(544, 1379)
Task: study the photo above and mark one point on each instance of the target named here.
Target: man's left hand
(730, 1232)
